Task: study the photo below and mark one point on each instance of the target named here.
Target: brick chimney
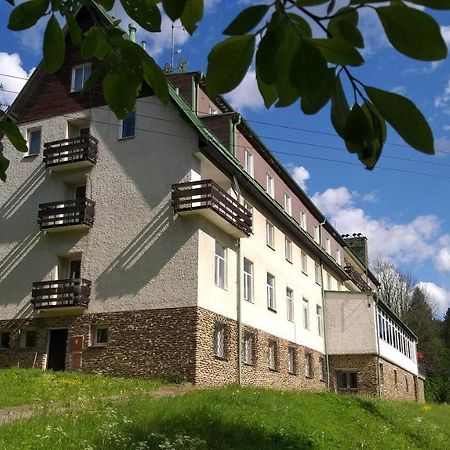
(358, 245)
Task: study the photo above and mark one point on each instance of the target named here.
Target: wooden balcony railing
(357, 279)
(61, 293)
(67, 213)
(81, 149)
(206, 194)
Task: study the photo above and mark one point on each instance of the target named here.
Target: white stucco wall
(137, 254)
(350, 323)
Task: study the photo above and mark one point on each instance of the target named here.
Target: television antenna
(171, 67)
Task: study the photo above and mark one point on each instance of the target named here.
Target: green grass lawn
(227, 418)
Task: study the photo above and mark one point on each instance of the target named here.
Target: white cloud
(442, 259)
(401, 242)
(246, 95)
(439, 296)
(11, 64)
(300, 175)
(442, 144)
(374, 36)
(401, 90)
(442, 100)
(370, 197)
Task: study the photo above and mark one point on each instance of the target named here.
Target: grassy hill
(71, 411)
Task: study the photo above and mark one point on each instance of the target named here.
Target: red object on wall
(76, 344)
(76, 361)
(419, 355)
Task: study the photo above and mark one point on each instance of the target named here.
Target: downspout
(377, 334)
(327, 360)
(235, 121)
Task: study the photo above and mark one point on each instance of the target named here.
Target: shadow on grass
(206, 431)
(371, 407)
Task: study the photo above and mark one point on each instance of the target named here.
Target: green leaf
(268, 92)
(4, 164)
(13, 134)
(119, 93)
(246, 20)
(228, 63)
(339, 109)
(107, 4)
(404, 117)
(89, 43)
(301, 3)
(358, 131)
(26, 14)
(413, 32)
(433, 4)
(312, 77)
(155, 78)
(265, 58)
(74, 28)
(144, 12)
(174, 8)
(338, 51)
(103, 47)
(192, 14)
(301, 24)
(370, 154)
(345, 26)
(54, 46)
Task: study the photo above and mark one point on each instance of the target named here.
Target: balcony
(71, 153)
(69, 293)
(357, 279)
(66, 215)
(206, 198)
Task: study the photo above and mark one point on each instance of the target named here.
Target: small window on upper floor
(270, 187)
(317, 234)
(270, 235)
(303, 223)
(80, 74)
(248, 162)
(338, 256)
(34, 142)
(288, 203)
(328, 245)
(128, 126)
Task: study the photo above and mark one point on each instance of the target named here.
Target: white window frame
(270, 235)
(288, 203)
(303, 220)
(220, 266)
(317, 234)
(219, 340)
(121, 136)
(270, 292)
(248, 349)
(23, 338)
(270, 185)
(317, 274)
(319, 315)
(289, 304)
(304, 262)
(30, 131)
(309, 371)
(328, 245)
(338, 256)
(249, 162)
(249, 295)
(272, 355)
(95, 336)
(292, 363)
(288, 249)
(305, 313)
(329, 281)
(74, 68)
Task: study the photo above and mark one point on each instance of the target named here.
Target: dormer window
(80, 74)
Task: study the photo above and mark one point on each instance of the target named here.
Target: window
(328, 282)
(34, 142)
(248, 348)
(323, 369)
(304, 262)
(5, 339)
(99, 335)
(319, 320)
(292, 363)
(305, 308)
(219, 266)
(219, 340)
(128, 126)
(248, 162)
(270, 185)
(28, 338)
(317, 234)
(288, 204)
(288, 249)
(309, 365)
(303, 223)
(328, 245)
(271, 292)
(248, 281)
(347, 381)
(272, 355)
(338, 256)
(290, 304)
(270, 235)
(395, 379)
(317, 273)
(248, 207)
(80, 74)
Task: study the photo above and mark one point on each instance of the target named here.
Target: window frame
(95, 341)
(304, 262)
(8, 345)
(248, 282)
(272, 355)
(338, 257)
(288, 203)
(328, 245)
(288, 249)
(290, 304)
(220, 263)
(292, 361)
(248, 357)
(84, 78)
(270, 235)
(30, 131)
(121, 122)
(219, 346)
(309, 367)
(303, 220)
(24, 335)
(270, 293)
(317, 274)
(249, 165)
(270, 185)
(319, 314)
(305, 313)
(317, 234)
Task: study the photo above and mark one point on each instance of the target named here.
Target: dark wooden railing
(61, 293)
(207, 194)
(67, 151)
(79, 211)
(357, 279)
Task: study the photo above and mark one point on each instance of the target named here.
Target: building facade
(173, 244)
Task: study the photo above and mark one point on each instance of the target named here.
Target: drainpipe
(235, 121)
(377, 333)
(238, 310)
(132, 31)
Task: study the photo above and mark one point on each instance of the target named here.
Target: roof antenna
(171, 67)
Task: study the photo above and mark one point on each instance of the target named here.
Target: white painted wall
(391, 354)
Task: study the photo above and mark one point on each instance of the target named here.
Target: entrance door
(57, 350)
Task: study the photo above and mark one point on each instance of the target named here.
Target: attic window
(80, 74)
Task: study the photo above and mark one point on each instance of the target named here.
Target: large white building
(173, 244)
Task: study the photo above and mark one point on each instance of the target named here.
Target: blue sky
(401, 206)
